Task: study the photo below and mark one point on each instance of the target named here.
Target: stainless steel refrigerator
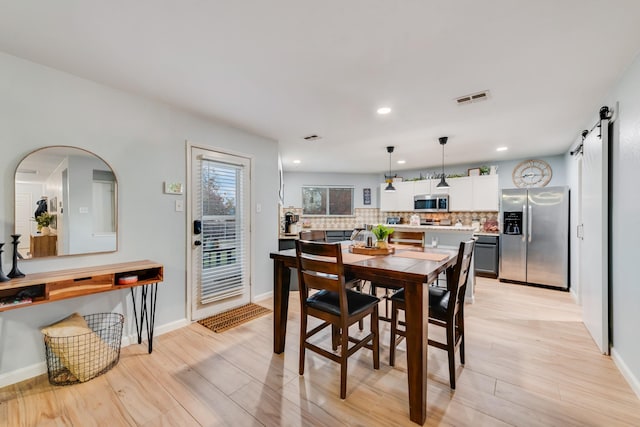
(534, 236)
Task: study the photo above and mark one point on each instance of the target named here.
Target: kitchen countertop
(486, 233)
(288, 236)
(432, 227)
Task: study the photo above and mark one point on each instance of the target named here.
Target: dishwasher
(486, 256)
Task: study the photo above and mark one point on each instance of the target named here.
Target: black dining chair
(314, 235)
(446, 309)
(411, 238)
(320, 268)
(321, 236)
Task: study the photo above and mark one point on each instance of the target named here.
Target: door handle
(530, 228)
(524, 218)
(197, 243)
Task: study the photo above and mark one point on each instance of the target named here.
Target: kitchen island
(447, 237)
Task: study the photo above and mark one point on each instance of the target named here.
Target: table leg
(281, 276)
(147, 314)
(417, 317)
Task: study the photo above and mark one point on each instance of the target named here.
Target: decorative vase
(3, 278)
(382, 244)
(14, 273)
(45, 231)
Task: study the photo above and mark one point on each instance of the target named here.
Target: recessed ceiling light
(502, 148)
(297, 162)
(402, 162)
(384, 110)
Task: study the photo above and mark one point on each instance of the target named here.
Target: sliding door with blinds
(220, 232)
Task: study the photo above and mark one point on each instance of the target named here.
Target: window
(320, 200)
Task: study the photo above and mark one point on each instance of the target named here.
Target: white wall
(625, 219)
(294, 181)
(144, 142)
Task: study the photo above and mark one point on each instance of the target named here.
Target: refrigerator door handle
(524, 219)
(530, 226)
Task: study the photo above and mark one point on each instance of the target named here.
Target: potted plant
(382, 234)
(44, 220)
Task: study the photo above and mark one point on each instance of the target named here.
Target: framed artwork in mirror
(82, 193)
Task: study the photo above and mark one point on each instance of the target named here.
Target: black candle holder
(3, 278)
(15, 273)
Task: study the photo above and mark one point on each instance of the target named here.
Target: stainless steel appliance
(289, 220)
(393, 220)
(486, 256)
(431, 203)
(534, 239)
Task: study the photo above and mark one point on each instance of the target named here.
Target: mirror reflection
(65, 203)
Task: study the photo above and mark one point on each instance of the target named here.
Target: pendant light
(390, 188)
(443, 182)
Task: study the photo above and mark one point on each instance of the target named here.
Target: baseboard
(23, 374)
(40, 368)
(263, 297)
(626, 372)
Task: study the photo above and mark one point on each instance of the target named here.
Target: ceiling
(286, 69)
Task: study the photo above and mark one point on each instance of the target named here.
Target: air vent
(474, 97)
(311, 138)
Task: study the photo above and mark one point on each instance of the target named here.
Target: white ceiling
(286, 69)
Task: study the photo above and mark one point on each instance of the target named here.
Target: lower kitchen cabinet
(486, 256)
(286, 244)
(338, 235)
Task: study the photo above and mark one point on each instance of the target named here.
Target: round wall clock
(532, 173)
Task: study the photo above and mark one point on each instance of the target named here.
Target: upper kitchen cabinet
(400, 200)
(466, 194)
(436, 190)
(485, 193)
(422, 187)
(461, 194)
(429, 186)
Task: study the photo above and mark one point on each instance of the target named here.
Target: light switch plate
(179, 205)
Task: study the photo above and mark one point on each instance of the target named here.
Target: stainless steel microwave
(431, 203)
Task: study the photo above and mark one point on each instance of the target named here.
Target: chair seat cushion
(329, 302)
(438, 299)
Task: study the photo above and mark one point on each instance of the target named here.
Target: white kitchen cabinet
(422, 187)
(461, 194)
(429, 186)
(400, 200)
(466, 194)
(485, 193)
(436, 190)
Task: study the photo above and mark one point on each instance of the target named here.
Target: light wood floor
(530, 362)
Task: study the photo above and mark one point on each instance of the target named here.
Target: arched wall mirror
(65, 203)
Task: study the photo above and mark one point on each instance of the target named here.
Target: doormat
(234, 317)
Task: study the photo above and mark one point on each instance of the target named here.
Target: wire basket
(79, 358)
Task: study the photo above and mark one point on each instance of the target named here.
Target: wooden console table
(41, 288)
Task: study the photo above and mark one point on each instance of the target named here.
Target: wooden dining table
(412, 268)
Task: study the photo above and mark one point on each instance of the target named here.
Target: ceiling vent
(310, 138)
(474, 97)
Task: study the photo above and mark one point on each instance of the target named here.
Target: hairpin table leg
(147, 313)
